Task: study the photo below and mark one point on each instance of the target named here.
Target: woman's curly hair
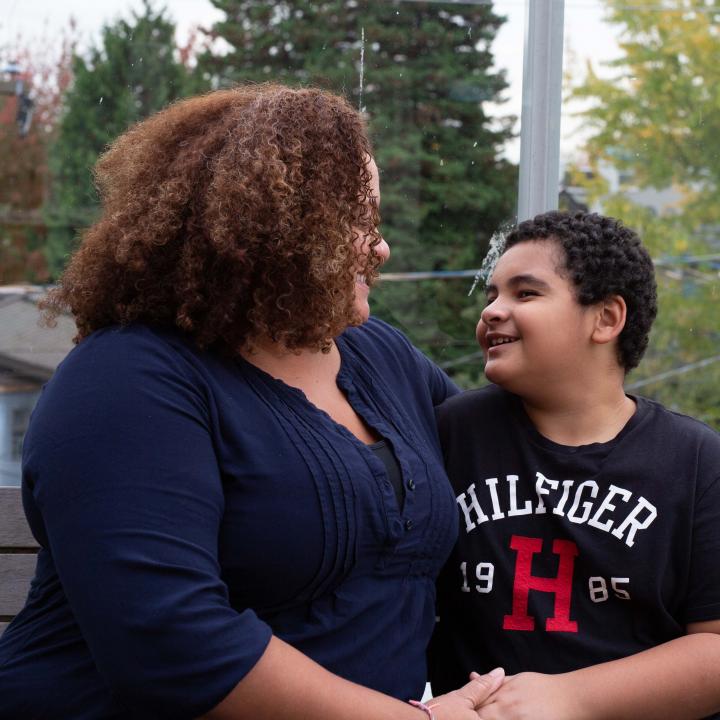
(232, 216)
(602, 257)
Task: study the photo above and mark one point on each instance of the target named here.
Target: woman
(235, 476)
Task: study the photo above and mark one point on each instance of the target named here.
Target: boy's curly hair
(232, 216)
(602, 257)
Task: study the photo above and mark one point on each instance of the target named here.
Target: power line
(678, 260)
(686, 259)
(461, 360)
(633, 386)
(428, 275)
(452, 2)
(672, 373)
(575, 5)
(649, 8)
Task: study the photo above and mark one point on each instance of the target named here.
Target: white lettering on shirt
(614, 510)
(471, 509)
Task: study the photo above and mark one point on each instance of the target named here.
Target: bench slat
(16, 572)
(14, 530)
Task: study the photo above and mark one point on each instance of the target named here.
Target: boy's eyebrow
(525, 279)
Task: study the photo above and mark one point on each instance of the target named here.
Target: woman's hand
(463, 703)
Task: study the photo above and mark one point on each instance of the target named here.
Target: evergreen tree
(426, 73)
(132, 73)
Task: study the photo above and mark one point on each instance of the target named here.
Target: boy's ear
(609, 319)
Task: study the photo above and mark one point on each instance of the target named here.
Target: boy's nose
(494, 312)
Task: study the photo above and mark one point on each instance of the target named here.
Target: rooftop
(27, 348)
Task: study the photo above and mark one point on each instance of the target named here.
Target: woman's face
(362, 246)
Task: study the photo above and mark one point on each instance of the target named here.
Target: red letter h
(561, 585)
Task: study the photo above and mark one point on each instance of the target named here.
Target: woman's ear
(610, 319)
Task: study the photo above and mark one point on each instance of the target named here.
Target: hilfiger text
(613, 510)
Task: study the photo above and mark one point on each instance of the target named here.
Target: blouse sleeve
(417, 365)
(129, 495)
(441, 386)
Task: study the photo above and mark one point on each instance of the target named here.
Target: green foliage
(655, 115)
(133, 72)
(653, 118)
(427, 73)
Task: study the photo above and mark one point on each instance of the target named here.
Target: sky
(586, 37)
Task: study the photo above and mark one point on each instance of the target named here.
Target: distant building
(662, 201)
(29, 355)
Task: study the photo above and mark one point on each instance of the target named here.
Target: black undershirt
(384, 452)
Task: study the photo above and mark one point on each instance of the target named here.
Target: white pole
(541, 102)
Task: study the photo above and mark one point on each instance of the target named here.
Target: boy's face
(534, 333)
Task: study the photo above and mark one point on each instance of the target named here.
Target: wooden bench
(17, 555)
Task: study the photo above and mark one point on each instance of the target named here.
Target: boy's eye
(527, 293)
(489, 300)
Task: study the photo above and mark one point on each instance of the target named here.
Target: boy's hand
(533, 696)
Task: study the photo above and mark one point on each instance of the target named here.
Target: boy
(589, 546)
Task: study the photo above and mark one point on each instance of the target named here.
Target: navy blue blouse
(188, 506)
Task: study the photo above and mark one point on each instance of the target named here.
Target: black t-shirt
(571, 556)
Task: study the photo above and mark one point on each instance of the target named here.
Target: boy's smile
(495, 339)
(533, 331)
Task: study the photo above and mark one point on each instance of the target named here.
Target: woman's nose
(383, 249)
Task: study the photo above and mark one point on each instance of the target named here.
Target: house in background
(29, 354)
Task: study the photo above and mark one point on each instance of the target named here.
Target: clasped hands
(526, 696)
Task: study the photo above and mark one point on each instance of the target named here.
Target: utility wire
(461, 360)
(672, 373)
(428, 275)
(454, 274)
(654, 8)
(686, 259)
(574, 5)
(633, 386)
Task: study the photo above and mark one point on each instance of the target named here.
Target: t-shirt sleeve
(126, 482)
(703, 602)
